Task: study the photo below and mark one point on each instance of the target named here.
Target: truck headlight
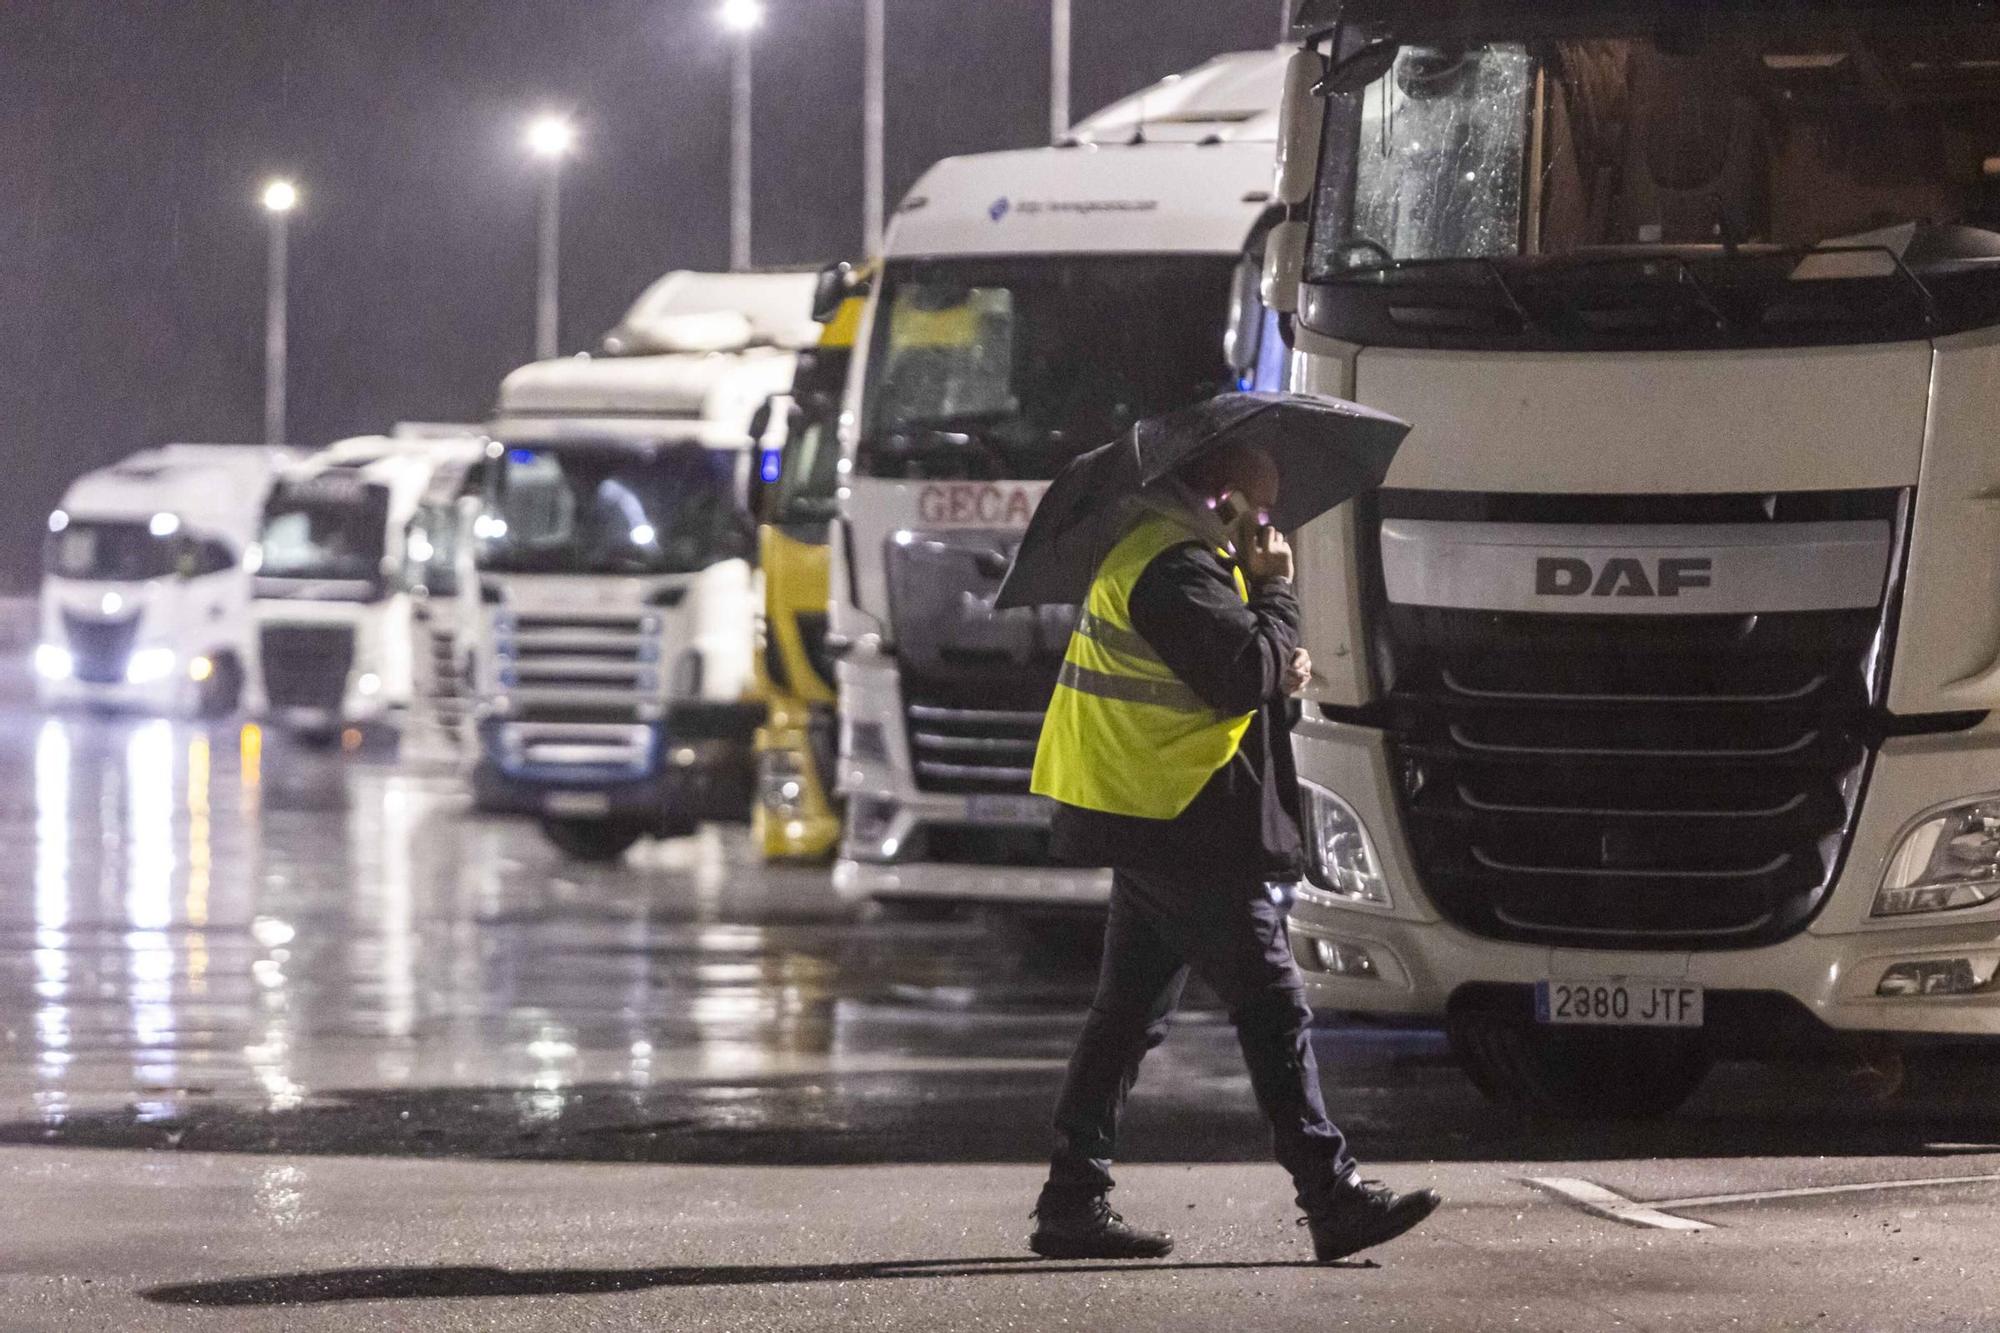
(148, 665)
(1949, 861)
(1341, 862)
(781, 784)
(53, 661)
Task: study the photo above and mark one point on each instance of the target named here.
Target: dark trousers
(1233, 937)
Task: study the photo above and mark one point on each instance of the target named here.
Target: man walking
(1168, 749)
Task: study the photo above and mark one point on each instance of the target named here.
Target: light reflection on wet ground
(216, 940)
(223, 930)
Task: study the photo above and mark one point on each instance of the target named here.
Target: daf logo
(999, 208)
(1622, 576)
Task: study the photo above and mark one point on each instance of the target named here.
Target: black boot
(1090, 1230)
(1358, 1214)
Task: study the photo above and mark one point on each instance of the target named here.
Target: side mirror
(764, 460)
(1284, 266)
(830, 290)
(1352, 73)
(1301, 121)
(1246, 317)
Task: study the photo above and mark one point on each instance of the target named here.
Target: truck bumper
(904, 843)
(677, 781)
(171, 697)
(1424, 965)
(1009, 886)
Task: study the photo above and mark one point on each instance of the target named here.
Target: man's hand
(1269, 556)
(1299, 672)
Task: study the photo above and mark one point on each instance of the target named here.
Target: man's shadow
(394, 1284)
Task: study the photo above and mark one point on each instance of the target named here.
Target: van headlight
(53, 661)
(1341, 863)
(148, 665)
(1949, 861)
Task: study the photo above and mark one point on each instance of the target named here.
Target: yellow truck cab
(795, 817)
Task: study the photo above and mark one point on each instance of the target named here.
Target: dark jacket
(1245, 822)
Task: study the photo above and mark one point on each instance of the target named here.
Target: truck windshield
(1738, 183)
(1009, 368)
(110, 552)
(623, 508)
(808, 473)
(332, 526)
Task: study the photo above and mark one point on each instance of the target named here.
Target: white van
(145, 602)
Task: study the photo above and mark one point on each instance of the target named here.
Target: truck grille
(976, 681)
(979, 751)
(306, 666)
(1622, 781)
(99, 648)
(557, 667)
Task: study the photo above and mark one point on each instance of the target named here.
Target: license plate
(576, 803)
(1620, 1002)
(1010, 809)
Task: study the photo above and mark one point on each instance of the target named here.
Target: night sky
(134, 135)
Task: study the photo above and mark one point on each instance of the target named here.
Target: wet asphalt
(289, 1037)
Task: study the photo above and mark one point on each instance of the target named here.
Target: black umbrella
(1327, 451)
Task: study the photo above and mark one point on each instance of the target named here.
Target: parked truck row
(1652, 715)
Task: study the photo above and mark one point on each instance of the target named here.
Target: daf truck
(796, 815)
(616, 567)
(1030, 305)
(1654, 708)
(145, 604)
(333, 614)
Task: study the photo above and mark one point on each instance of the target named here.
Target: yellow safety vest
(1124, 735)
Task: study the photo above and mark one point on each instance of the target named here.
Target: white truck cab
(1031, 305)
(1655, 707)
(612, 658)
(145, 603)
(333, 614)
(442, 585)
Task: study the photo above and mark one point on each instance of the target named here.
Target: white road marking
(1594, 1198)
(1809, 1191)
(1607, 1203)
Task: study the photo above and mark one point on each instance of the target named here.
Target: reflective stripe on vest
(1124, 734)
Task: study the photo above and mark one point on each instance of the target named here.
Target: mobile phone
(1233, 508)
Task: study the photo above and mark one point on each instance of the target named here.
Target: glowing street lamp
(280, 198)
(550, 138)
(740, 17)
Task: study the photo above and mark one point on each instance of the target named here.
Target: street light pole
(872, 187)
(1058, 70)
(1284, 22)
(741, 18)
(280, 198)
(739, 156)
(548, 268)
(550, 138)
